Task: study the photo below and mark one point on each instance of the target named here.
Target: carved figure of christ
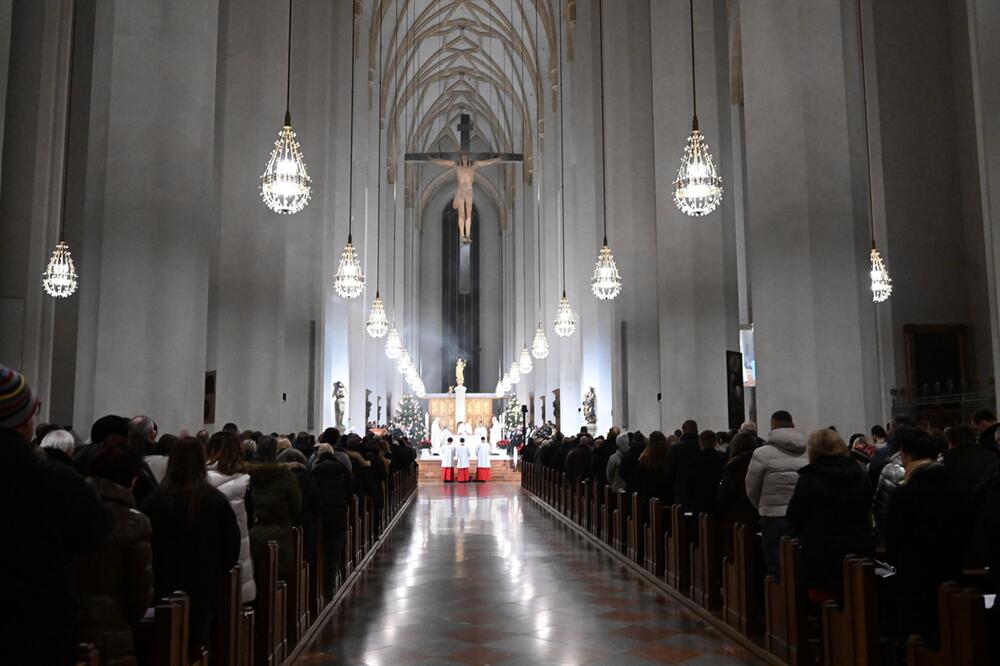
(465, 175)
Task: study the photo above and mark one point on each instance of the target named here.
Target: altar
(445, 407)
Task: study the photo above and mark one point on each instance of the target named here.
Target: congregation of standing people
(101, 527)
(924, 504)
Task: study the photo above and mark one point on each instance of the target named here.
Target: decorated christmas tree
(410, 419)
(511, 417)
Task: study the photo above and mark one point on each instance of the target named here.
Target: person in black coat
(706, 473)
(650, 474)
(603, 450)
(336, 487)
(829, 512)
(577, 463)
(680, 461)
(196, 539)
(930, 520)
(311, 505)
(733, 507)
(965, 459)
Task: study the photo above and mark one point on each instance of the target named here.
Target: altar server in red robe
(462, 456)
(483, 460)
(448, 461)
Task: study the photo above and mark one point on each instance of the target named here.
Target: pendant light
(349, 281)
(514, 373)
(60, 279)
(403, 363)
(285, 185)
(606, 283)
(524, 361)
(881, 283)
(698, 187)
(378, 321)
(565, 323)
(540, 345)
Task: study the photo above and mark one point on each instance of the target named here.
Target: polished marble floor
(479, 574)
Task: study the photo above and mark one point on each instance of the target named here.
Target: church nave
(480, 574)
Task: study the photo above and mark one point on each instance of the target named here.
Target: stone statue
(465, 173)
(460, 371)
(589, 407)
(339, 403)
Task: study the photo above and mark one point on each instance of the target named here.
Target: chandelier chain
(288, 70)
(604, 141)
(868, 145)
(69, 116)
(350, 177)
(694, 85)
(562, 153)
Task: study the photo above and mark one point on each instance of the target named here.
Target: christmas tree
(410, 419)
(511, 417)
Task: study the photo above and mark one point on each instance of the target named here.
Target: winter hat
(17, 402)
(108, 425)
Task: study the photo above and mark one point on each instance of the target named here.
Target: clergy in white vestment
(483, 460)
(496, 432)
(462, 457)
(448, 461)
(481, 433)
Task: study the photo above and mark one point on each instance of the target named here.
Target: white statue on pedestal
(496, 431)
(436, 431)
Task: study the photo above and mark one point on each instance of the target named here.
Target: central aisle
(479, 574)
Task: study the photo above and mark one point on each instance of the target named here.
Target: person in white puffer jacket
(225, 473)
(771, 478)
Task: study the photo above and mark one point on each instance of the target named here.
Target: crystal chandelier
(698, 188)
(59, 279)
(515, 373)
(499, 392)
(565, 323)
(524, 363)
(349, 281)
(540, 345)
(412, 377)
(285, 185)
(393, 346)
(420, 390)
(606, 282)
(378, 322)
(403, 362)
(505, 383)
(881, 282)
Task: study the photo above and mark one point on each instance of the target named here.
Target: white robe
(496, 432)
(483, 455)
(447, 454)
(462, 457)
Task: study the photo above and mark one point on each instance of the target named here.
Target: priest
(462, 457)
(448, 461)
(483, 460)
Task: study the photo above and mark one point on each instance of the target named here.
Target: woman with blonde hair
(830, 513)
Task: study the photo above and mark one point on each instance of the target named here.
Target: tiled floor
(479, 574)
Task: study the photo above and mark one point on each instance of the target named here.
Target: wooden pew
(620, 516)
(297, 620)
(963, 631)
(851, 634)
(656, 530)
(636, 524)
(269, 609)
(706, 565)
(366, 525)
(583, 504)
(160, 638)
(226, 619)
(606, 515)
(742, 582)
(683, 531)
(244, 651)
(317, 600)
(785, 608)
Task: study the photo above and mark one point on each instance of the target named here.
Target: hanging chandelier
(524, 363)
(698, 187)
(515, 373)
(349, 281)
(606, 282)
(393, 346)
(60, 279)
(565, 323)
(499, 392)
(540, 345)
(881, 282)
(285, 185)
(378, 322)
(403, 362)
(505, 383)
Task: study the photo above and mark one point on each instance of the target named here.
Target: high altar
(445, 408)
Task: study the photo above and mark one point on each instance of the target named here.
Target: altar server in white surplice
(483, 460)
(462, 457)
(448, 461)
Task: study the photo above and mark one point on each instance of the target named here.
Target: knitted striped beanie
(17, 403)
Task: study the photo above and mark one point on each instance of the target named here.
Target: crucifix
(465, 163)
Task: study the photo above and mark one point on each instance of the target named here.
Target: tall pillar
(151, 198)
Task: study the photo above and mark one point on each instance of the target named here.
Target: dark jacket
(970, 463)
(311, 510)
(277, 503)
(577, 464)
(733, 505)
(193, 546)
(987, 438)
(335, 486)
(599, 461)
(706, 473)
(116, 581)
(652, 482)
(930, 520)
(680, 461)
(57, 456)
(53, 516)
(830, 512)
